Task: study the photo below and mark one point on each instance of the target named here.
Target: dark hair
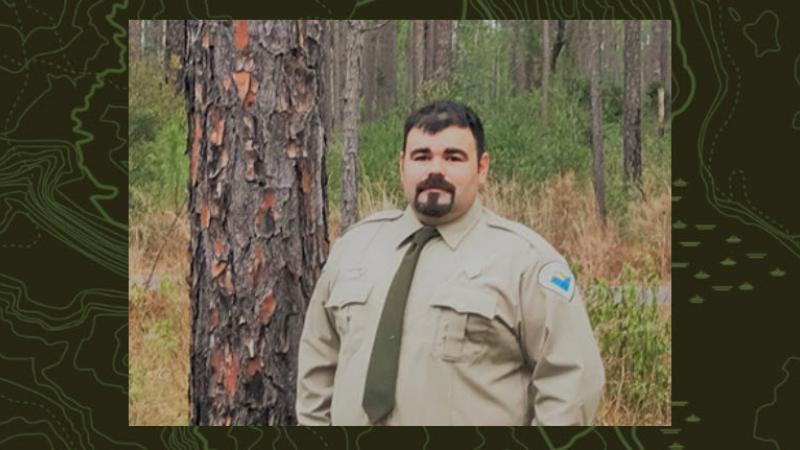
(441, 114)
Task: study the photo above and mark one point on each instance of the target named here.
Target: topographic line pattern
(63, 225)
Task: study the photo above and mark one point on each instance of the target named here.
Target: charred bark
(257, 212)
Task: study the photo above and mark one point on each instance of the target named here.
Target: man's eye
(454, 158)
(420, 157)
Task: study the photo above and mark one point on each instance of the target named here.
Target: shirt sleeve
(318, 354)
(568, 375)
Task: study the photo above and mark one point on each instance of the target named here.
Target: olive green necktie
(382, 371)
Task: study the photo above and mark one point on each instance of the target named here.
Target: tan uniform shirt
(495, 331)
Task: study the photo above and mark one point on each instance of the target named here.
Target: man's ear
(483, 167)
(400, 160)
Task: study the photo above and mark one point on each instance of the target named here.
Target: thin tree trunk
(410, 63)
(665, 71)
(598, 171)
(142, 46)
(368, 74)
(545, 70)
(419, 57)
(442, 40)
(386, 72)
(632, 104)
(352, 91)
(559, 44)
(519, 57)
(257, 212)
(163, 47)
(430, 50)
(341, 68)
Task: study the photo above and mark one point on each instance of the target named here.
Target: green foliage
(635, 340)
(611, 94)
(157, 141)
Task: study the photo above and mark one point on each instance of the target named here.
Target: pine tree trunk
(430, 50)
(598, 171)
(443, 37)
(368, 80)
(327, 80)
(257, 212)
(341, 68)
(559, 44)
(665, 70)
(545, 70)
(162, 48)
(519, 57)
(352, 91)
(632, 104)
(386, 76)
(419, 57)
(143, 37)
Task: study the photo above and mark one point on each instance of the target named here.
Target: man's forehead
(451, 136)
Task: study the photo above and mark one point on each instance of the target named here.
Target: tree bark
(443, 53)
(386, 76)
(632, 104)
(430, 50)
(368, 74)
(257, 212)
(665, 71)
(559, 43)
(545, 70)
(519, 57)
(327, 104)
(142, 37)
(352, 91)
(162, 48)
(341, 68)
(598, 171)
(420, 54)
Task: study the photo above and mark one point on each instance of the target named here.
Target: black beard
(432, 208)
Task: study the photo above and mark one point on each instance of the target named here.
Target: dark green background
(63, 227)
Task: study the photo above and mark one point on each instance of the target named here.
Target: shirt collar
(452, 232)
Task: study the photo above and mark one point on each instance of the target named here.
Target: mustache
(435, 182)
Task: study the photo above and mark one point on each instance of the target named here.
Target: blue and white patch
(557, 277)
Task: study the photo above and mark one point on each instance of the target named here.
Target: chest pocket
(348, 305)
(467, 323)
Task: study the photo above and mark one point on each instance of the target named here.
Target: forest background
(531, 83)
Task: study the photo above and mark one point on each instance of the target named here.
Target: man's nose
(437, 165)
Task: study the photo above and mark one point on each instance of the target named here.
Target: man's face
(439, 173)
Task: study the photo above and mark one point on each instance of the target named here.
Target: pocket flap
(347, 292)
(466, 300)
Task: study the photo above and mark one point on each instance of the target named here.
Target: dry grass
(561, 211)
(165, 231)
(564, 213)
(158, 346)
(158, 320)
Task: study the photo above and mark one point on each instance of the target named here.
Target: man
(445, 313)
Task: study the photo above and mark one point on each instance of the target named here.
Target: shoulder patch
(557, 277)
